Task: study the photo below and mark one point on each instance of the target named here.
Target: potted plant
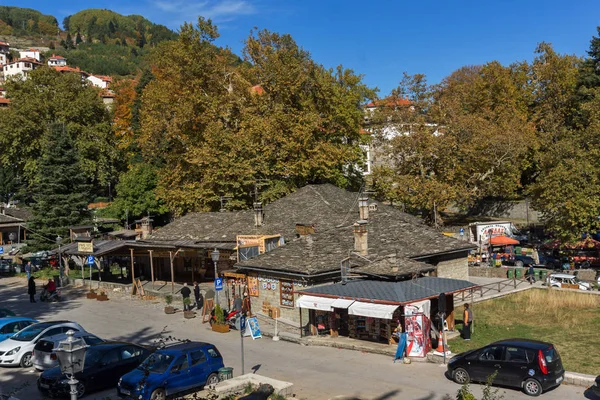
(91, 294)
(102, 296)
(169, 309)
(219, 324)
(187, 313)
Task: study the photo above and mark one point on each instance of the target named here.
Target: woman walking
(31, 290)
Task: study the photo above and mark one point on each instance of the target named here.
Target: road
(317, 372)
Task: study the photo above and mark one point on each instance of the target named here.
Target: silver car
(44, 358)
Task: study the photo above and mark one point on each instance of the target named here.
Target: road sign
(219, 284)
(462, 231)
(90, 260)
(1, 250)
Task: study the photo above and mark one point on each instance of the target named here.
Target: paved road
(317, 372)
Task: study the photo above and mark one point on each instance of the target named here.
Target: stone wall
(491, 272)
(457, 268)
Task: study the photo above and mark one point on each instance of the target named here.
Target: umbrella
(502, 241)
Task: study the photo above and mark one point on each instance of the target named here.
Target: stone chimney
(360, 237)
(146, 227)
(363, 207)
(259, 216)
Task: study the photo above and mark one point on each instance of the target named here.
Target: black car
(596, 387)
(530, 365)
(105, 363)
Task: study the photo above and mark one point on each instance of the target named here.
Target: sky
(379, 39)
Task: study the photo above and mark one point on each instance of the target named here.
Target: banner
(416, 323)
(253, 286)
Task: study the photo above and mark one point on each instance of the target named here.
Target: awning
(315, 303)
(341, 303)
(384, 311)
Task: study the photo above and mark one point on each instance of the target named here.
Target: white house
(100, 81)
(4, 51)
(2, 93)
(21, 67)
(31, 53)
(57, 61)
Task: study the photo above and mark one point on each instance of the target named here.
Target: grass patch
(569, 320)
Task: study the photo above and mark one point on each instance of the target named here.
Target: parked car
(568, 281)
(6, 268)
(18, 349)
(43, 356)
(104, 364)
(520, 261)
(530, 365)
(173, 369)
(596, 386)
(550, 262)
(11, 325)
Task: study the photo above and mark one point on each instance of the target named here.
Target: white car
(43, 355)
(568, 281)
(18, 349)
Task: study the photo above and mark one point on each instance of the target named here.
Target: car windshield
(157, 363)
(92, 357)
(551, 355)
(30, 333)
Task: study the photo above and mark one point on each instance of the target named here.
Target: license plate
(559, 380)
(44, 386)
(126, 392)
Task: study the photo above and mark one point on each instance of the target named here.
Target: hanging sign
(253, 286)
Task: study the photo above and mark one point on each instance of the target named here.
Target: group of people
(31, 289)
(238, 304)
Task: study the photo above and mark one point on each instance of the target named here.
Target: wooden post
(301, 327)
(132, 271)
(172, 274)
(151, 268)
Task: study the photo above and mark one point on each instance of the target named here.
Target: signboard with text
(85, 247)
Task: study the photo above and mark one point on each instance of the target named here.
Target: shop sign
(252, 328)
(253, 286)
(85, 247)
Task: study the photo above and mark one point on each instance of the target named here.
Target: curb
(576, 379)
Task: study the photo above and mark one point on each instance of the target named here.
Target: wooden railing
(480, 291)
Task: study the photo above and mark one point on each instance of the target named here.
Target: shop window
(271, 244)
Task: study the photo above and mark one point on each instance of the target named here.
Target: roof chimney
(363, 207)
(360, 237)
(258, 214)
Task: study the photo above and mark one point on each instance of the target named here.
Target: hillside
(16, 21)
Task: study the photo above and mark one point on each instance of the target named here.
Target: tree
(36, 103)
(60, 191)
(8, 183)
(66, 23)
(69, 42)
(78, 38)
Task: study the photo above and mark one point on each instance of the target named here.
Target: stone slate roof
(391, 292)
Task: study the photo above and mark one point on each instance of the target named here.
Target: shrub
(219, 316)
(168, 299)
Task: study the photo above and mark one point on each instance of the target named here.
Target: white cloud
(217, 10)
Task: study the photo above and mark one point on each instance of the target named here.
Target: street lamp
(215, 257)
(71, 357)
(59, 241)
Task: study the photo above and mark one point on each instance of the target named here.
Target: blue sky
(380, 39)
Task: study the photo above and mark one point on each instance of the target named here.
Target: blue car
(11, 325)
(171, 370)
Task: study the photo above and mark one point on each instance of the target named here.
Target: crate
(274, 312)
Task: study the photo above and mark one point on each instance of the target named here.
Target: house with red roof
(101, 81)
(31, 53)
(57, 61)
(21, 67)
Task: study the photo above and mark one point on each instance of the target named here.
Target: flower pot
(220, 328)
(169, 310)
(91, 295)
(102, 297)
(189, 314)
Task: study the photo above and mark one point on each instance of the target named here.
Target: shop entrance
(341, 315)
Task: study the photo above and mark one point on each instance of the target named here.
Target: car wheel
(519, 263)
(158, 394)
(532, 387)
(212, 379)
(461, 376)
(27, 360)
(80, 389)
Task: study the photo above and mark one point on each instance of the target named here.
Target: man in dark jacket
(185, 293)
(31, 290)
(198, 296)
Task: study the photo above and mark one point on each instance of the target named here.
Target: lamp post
(71, 357)
(59, 242)
(215, 257)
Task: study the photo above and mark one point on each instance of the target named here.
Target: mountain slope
(17, 21)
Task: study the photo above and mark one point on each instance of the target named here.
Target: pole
(216, 276)
(73, 383)
(275, 336)
(151, 268)
(132, 271)
(444, 337)
(172, 273)
(60, 266)
(242, 329)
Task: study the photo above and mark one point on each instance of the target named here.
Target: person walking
(185, 293)
(467, 321)
(198, 296)
(31, 289)
(531, 275)
(28, 269)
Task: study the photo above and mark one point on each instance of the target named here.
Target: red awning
(502, 241)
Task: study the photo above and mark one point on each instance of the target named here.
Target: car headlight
(13, 351)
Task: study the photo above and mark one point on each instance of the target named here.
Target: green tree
(66, 23)
(60, 191)
(8, 183)
(78, 39)
(69, 42)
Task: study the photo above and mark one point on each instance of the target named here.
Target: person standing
(28, 269)
(31, 289)
(198, 296)
(531, 275)
(237, 303)
(185, 293)
(467, 321)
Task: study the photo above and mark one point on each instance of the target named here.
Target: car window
(156, 363)
(180, 364)
(551, 354)
(12, 327)
(492, 353)
(52, 332)
(29, 333)
(197, 357)
(65, 329)
(24, 324)
(92, 339)
(515, 355)
(214, 353)
(130, 352)
(112, 357)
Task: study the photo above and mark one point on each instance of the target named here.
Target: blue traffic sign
(462, 231)
(242, 324)
(90, 260)
(1, 250)
(219, 284)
